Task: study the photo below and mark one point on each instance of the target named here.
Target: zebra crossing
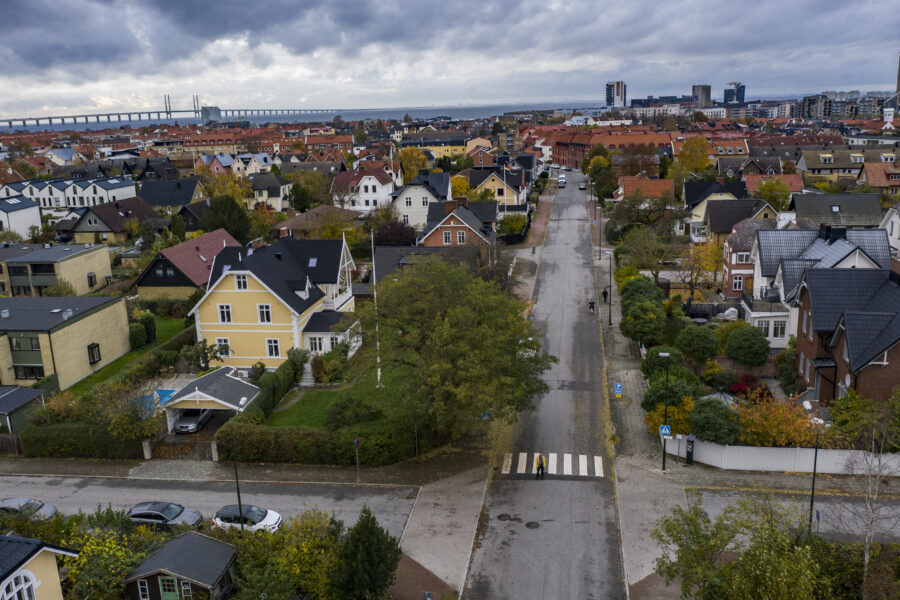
(558, 465)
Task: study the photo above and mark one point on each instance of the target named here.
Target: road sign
(595, 222)
(618, 390)
(357, 442)
(486, 416)
(665, 430)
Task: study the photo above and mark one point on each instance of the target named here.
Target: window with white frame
(186, 590)
(763, 324)
(409, 201)
(406, 219)
(737, 283)
(334, 341)
(808, 370)
(265, 313)
(743, 257)
(143, 589)
(779, 329)
(845, 354)
(461, 237)
(224, 313)
(223, 347)
(273, 348)
(448, 238)
(20, 587)
(240, 282)
(315, 344)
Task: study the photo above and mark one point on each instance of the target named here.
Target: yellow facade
(90, 237)
(503, 192)
(440, 151)
(247, 338)
(43, 568)
(75, 269)
(158, 292)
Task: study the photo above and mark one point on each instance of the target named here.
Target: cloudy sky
(93, 55)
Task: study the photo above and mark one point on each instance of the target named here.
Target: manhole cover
(503, 517)
(532, 524)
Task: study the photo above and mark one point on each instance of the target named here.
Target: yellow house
(28, 569)
(30, 272)
(507, 186)
(259, 303)
(69, 336)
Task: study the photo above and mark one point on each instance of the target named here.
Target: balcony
(768, 303)
(345, 294)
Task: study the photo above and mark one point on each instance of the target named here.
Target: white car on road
(255, 518)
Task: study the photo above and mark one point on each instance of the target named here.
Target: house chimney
(837, 233)
(450, 206)
(824, 231)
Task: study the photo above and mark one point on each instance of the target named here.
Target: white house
(411, 202)
(56, 197)
(364, 191)
(891, 224)
(19, 214)
(249, 164)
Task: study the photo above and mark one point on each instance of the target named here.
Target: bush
(786, 365)
(678, 388)
(626, 273)
(168, 358)
(743, 384)
(138, 335)
(637, 290)
(724, 331)
(330, 367)
(748, 345)
(712, 421)
(50, 383)
(149, 323)
(350, 412)
(512, 224)
(654, 363)
(76, 440)
(644, 322)
(273, 386)
(699, 344)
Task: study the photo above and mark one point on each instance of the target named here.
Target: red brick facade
(737, 276)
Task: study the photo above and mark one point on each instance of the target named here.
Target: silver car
(192, 420)
(164, 514)
(255, 518)
(28, 507)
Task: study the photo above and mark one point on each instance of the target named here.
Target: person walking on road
(605, 294)
(591, 306)
(540, 462)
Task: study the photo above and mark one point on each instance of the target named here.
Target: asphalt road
(390, 505)
(557, 538)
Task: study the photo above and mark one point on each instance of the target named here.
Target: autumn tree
(694, 154)
(645, 249)
(223, 184)
(460, 186)
(678, 415)
(60, 287)
(261, 220)
(644, 322)
(700, 264)
(773, 423)
(774, 191)
(411, 160)
(311, 188)
(748, 345)
(178, 227)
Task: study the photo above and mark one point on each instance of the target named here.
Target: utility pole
(237, 484)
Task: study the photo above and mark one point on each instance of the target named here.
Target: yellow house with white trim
(28, 568)
(259, 302)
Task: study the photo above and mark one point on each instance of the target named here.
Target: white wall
(787, 460)
(21, 220)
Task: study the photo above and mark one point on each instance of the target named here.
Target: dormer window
(826, 159)
(856, 158)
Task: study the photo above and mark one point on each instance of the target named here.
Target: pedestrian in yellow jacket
(539, 463)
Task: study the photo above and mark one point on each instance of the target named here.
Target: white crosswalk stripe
(573, 465)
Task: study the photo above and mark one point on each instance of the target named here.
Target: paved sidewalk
(441, 528)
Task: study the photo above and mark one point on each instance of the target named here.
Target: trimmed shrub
(76, 440)
(712, 421)
(626, 273)
(350, 412)
(724, 331)
(699, 344)
(149, 323)
(654, 363)
(637, 290)
(330, 367)
(138, 335)
(678, 388)
(273, 386)
(748, 345)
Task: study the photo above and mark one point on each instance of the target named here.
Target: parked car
(164, 514)
(562, 183)
(28, 507)
(554, 166)
(568, 168)
(582, 186)
(192, 420)
(255, 518)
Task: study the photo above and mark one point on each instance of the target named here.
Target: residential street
(557, 538)
(391, 505)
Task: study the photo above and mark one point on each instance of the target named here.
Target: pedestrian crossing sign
(665, 430)
(618, 390)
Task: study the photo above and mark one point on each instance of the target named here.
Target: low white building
(19, 214)
(365, 191)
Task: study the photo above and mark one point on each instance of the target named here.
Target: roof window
(835, 208)
(313, 261)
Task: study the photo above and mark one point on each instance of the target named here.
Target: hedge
(275, 384)
(75, 440)
(380, 443)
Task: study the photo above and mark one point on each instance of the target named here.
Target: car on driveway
(164, 514)
(192, 420)
(28, 507)
(255, 518)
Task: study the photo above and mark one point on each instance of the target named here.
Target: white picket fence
(788, 460)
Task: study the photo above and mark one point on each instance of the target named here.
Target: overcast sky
(93, 55)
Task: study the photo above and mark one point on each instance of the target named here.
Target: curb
(465, 575)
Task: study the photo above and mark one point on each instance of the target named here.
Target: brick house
(737, 269)
(454, 223)
(848, 340)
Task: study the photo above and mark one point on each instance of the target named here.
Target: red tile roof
(878, 174)
(194, 257)
(794, 181)
(649, 188)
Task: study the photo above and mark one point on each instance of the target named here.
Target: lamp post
(812, 494)
(237, 484)
(609, 308)
(665, 405)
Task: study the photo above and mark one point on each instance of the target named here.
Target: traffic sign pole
(357, 460)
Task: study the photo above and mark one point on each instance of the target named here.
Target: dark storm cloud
(525, 49)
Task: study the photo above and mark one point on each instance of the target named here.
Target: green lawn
(165, 330)
(312, 408)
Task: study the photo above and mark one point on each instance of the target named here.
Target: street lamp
(665, 405)
(237, 484)
(609, 308)
(812, 494)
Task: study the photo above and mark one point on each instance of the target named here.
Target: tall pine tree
(367, 560)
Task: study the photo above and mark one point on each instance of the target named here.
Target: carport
(221, 390)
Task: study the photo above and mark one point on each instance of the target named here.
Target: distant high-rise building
(209, 114)
(735, 93)
(703, 94)
(817, 107)
(615, 94)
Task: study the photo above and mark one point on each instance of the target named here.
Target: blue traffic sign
(357, 442)
(665, 430)
(618, 390)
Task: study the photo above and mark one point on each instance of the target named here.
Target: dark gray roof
(270, 182)
(436, 183)
(15, 203)
(46, 313)
(857, 286)
(745, 233)
(324, 322)
(54, 253)
(362, 289)
(16, 551)
(486, 212)
(723, 215)
(739, 163)
(696, 192)
(792, 271)
(221, 384)
(176, 192)
(281, 269)
(327, 255)
(778, 244)
(390, 258)
(854, 210)
(13, 397)
(192, 556)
